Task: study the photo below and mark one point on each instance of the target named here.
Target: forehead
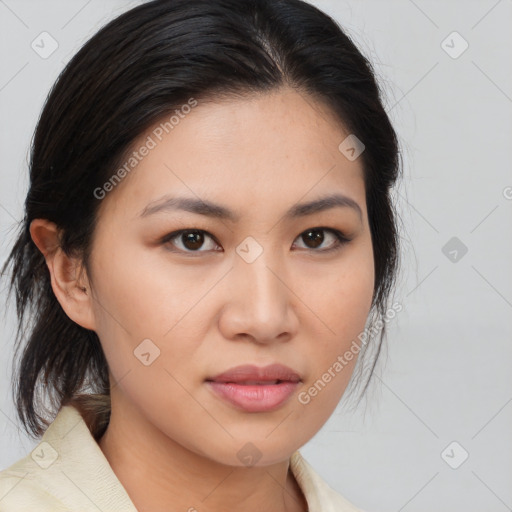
(259, 151)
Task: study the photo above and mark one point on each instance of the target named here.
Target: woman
(208, 230)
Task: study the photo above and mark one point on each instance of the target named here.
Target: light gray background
(446, 376)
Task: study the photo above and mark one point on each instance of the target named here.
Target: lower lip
(254, 398)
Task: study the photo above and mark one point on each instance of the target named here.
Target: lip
(254, 389)
(249, 372)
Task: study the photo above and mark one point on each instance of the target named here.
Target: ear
(68, 277)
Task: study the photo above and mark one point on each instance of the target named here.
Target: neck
(160, 474)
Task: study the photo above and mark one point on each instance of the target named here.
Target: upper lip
(270, 373)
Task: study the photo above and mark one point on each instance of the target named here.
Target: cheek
(144, 311)
(341, 295)
(140, 295)
(342, 305)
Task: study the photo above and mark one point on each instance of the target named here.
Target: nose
(260, 304)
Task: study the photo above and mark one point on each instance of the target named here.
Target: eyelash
(341, 239)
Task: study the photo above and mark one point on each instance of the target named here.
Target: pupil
(193, 240)
(317, 238)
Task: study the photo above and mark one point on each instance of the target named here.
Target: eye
(191, 240)
(315, 238)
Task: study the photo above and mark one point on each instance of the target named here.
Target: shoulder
(21, 491)
(65, 472)
(29, 483)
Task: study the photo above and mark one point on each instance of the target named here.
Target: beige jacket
(67, 472)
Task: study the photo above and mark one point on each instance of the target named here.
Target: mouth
(254, 389)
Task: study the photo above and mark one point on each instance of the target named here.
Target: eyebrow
(209, 209)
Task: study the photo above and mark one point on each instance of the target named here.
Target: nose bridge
(261, 295)
(257, 269)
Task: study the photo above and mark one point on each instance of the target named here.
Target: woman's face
(271, 284)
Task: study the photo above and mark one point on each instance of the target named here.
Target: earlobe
(70, 286)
